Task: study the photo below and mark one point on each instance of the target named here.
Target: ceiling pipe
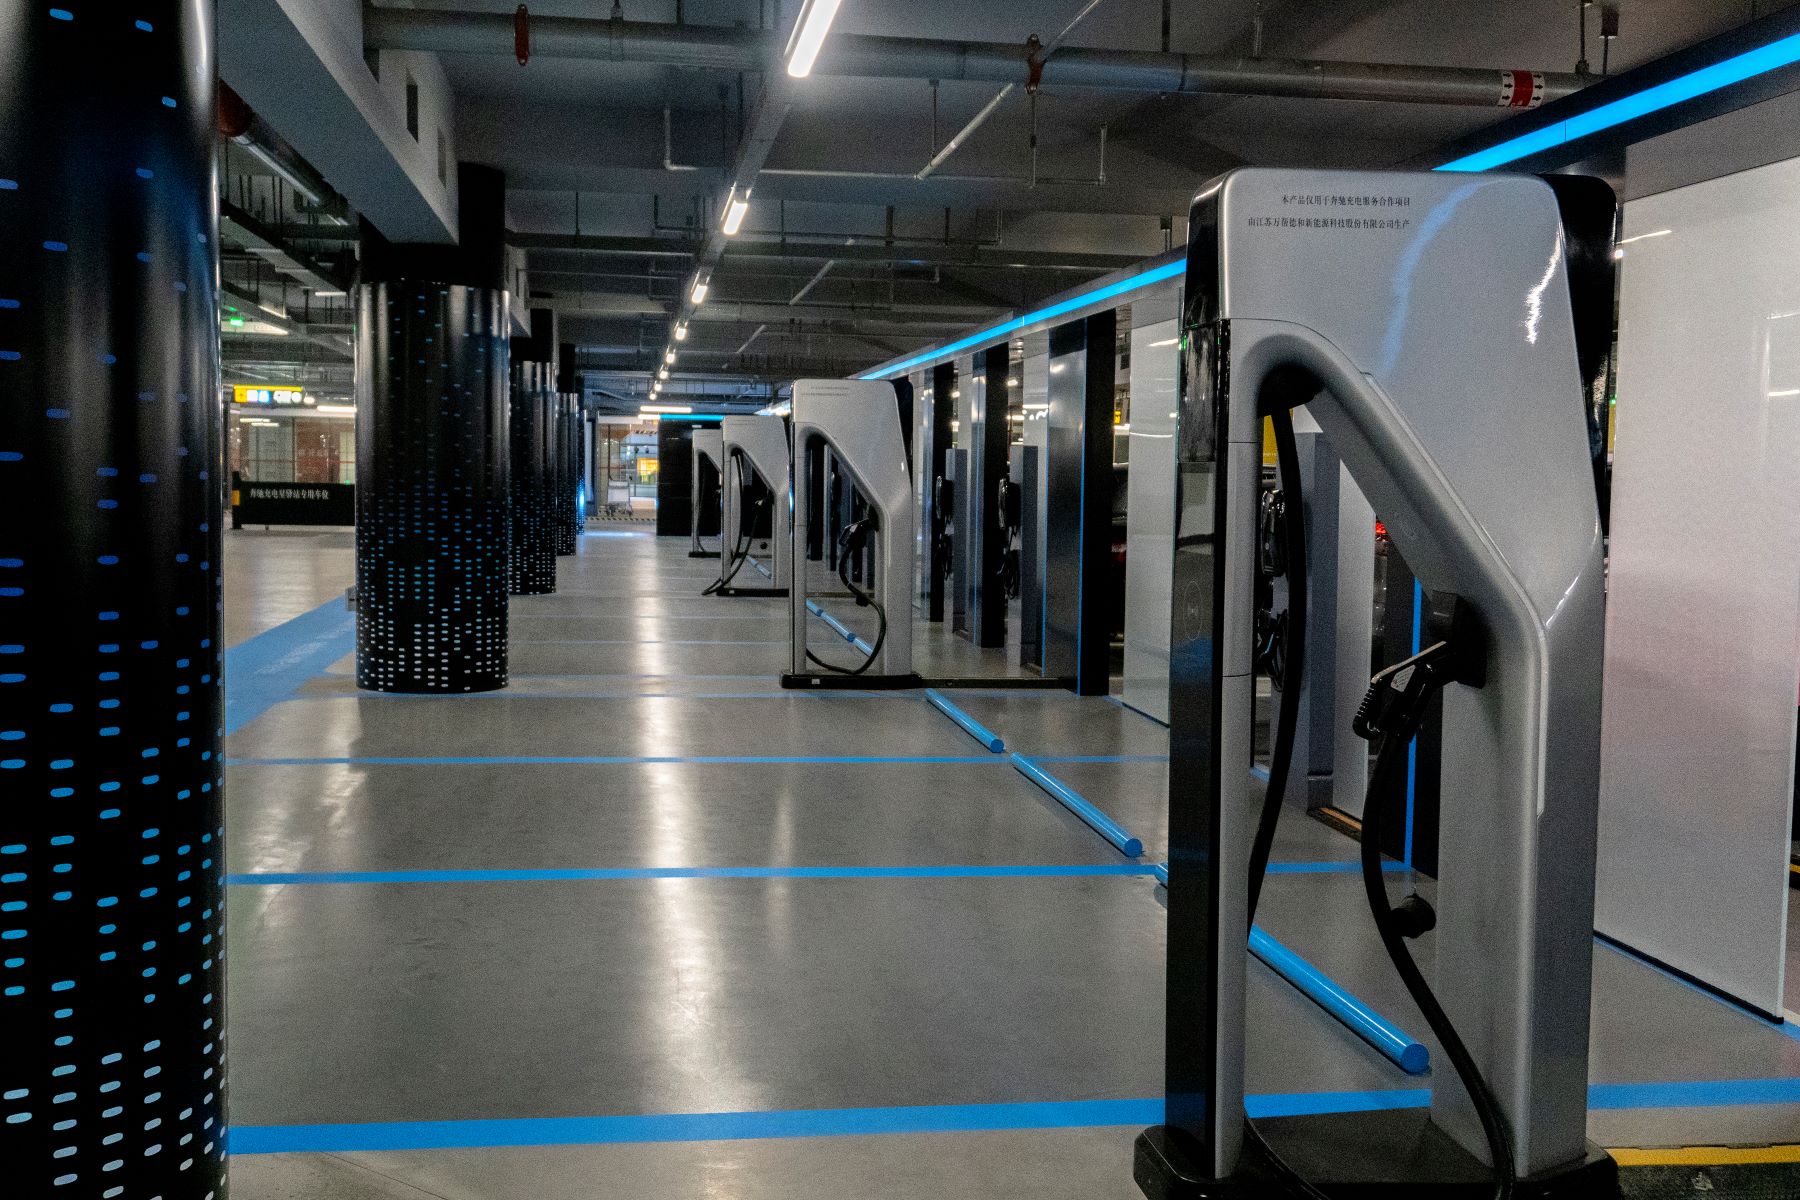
(1035, 60)
(749, 341)
(1147, 71)
(239, 124)
(812, 283)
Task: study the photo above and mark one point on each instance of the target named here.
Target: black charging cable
(740, 553)
(1287, 719)
(850, 543)
(1287, 724)
(1390, 715)
(1393, 710)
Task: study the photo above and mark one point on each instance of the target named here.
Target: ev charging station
(753, 450)
(1443, 355)
(708, 490)
(859, 425)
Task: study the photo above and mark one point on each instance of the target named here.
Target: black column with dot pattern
(568, 458)
(533, 532)
(112, 1020)
(432, 480)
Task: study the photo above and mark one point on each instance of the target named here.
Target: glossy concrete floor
(642, 925)
(275, 575)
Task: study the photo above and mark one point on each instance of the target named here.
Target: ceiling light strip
(1130, 283)
(1783, 52)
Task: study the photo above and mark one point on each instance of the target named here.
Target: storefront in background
(286, 435)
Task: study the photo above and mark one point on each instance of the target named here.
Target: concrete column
(111, 896)
(533, 431)
(432, 493)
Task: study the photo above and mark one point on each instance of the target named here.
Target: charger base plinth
(851, 683)
(1163, 1171)
(1399, 1154)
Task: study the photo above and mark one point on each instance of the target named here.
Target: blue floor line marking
(1351, 867)
(947, 1118)
(640, 642)
(1699, 1093)
(268, 668)
(969, 725)
(519, 694)
(1304, 868)
(641, 675)
(1100, 758)
(766, 618)
(515, 677)
(616, 760)
(738, 1126)
(568, 874)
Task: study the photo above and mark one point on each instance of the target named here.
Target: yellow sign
(271, 397)
(647, 469)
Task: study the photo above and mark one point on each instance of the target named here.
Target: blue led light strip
(993, 333)
(1760, 61)
(1748, 65)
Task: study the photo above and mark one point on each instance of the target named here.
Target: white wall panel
(1150, 512)
(1704, 609)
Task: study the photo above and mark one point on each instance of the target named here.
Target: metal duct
(449, 32)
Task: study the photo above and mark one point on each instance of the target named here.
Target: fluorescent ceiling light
(1785, 392)
(681, 333)
(1037, 408)
(1166, 342)
(337, 410)
(645, 414)
(669, 356)
(701, 287)
(328, 295)
(735, 209)
(1640, 237)
(809, 36)
(682, 409)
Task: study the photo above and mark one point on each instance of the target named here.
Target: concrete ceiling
(612, 231)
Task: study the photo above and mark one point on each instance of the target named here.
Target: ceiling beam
(868, 56)
(868, 250)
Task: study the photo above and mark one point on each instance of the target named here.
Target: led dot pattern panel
(432, 501)
(112, 1022)
(568, 473)
(533, 528)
